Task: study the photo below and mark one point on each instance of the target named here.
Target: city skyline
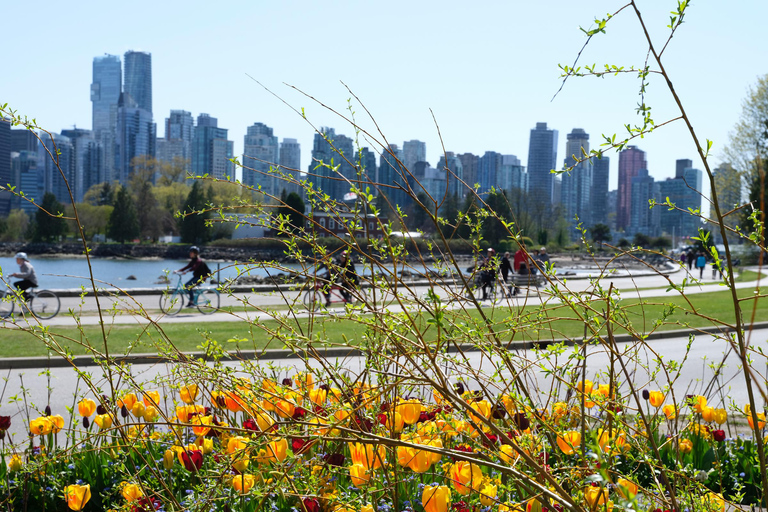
(474, 114)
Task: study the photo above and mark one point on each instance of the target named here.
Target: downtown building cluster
(123, 128)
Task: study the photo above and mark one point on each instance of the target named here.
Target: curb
(25, 363)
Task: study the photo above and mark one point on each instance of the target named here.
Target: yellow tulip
(366, 455)
(132, 492)
(152, 398)
(150, 413)
(708, 414)
(410, 410)
(395, 422)
(436, 498)
(367, 508)
(128, 401)
(57, 423)
(168, 459)
(41, 426)
(720, 416)
(188, 393)
(465, 477)
(284, 408)
(184, 412)
(138, 409)
(318, 395)
(508, 454)
(483, 408)
(15, 464)
(698, 403)
(488, 494)
(595, 496)
(205, 444)
(86, 407)
(277, 450)
(669, 411)
(569, 442)
(626, 489)
(585, 386)
(243, 483)
(104, 421)
(656, 398)
(359, 475)
(714, 501)
(304, 381)
(202, 425)
(686, 446)
(264, 421)
(77, 496)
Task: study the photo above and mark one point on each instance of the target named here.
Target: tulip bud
(124, 411)
(100, 409)
(646, 394)
(86, 422)
(47, 410)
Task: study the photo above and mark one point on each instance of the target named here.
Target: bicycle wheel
(208, 301)
(44, 304)
(359, 297)
(313, 300)
(171, 302)
(6, 304)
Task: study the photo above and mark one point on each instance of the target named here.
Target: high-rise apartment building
(470, 164)
(414, 151)
(28, 177)
(6, 177)
(643, 218)
(59, 170)
(631, 161)
(511, 174)
(260, 155)
(367, 161)
(179, 136)
(23, 140)
(211, 151)
(542, 159)
(344, 150)
(86, 153)
(600, 179)
(488, 171)
(684, 190)
(138, 78)
(290, 165)
(135, 136)
(576, 192)
(454, 172)
(106, 88)
(393, 177)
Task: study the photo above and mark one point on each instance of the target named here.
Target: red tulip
(192, 459)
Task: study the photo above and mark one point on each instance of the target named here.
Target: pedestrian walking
(701, 262)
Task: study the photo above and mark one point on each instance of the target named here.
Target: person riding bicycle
(347, 277)
(26, 273)
(200, 272)
(488, 272)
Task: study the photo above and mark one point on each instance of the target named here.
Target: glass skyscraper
(577, 183)
(542, 158)
(631, 161)
(260, 151)
(211, 151)
(138, 78)
(105, 92)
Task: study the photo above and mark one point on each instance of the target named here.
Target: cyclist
(348, 278)
(200, 272)
(26, 273)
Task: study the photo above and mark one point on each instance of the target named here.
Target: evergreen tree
(192, 227)
(449, 211)
(50, 226)
(600, 233)
(123, 221)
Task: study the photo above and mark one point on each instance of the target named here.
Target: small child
(26, 273)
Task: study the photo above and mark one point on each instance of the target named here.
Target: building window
(322, 222)
(370, 226)
(331, 224)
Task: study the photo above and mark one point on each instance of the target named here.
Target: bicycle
(496, 290)
(315, 298)
(206, 299)
(43, 304)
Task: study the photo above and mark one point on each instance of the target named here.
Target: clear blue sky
(487, 70)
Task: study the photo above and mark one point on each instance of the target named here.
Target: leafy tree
(102, 194)
(661, 242)
(493, 228)
(192, 226)
(641, 240)
(449, 211)
(623, 243)
(94, 219)
(172, 172)
(50, 224)
(292, 207)
(600, 233)
(123, 222)
(16, 226)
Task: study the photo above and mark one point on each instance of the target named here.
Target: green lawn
(531, 323)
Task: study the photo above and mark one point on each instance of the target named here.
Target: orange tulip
(202, 425)
(128, 401)
(626, 489)
(151, 398)
(366, 455)
(760, 421)
(86, 407)
(132, 492)
(686, 446)
(466, 477)
(243, 483)
(77, 496)
(277, 450)
(57, 423)
(656, 398)
(708, 414)
(359, 475)
(188, 393)
(585, 386)
(410, 410)
(569, 442)
(698, 403)
(669, 411)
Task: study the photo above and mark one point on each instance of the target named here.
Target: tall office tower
(454, 172)
(179, 135)
(83, 146)
(6, 177)
(393, 177)
(344, 150)
(644, 219)
(631, 161)
(23, 140)
(414, 151)
(488, 170)
(260, 150)
(576, 192)
(511, 174)
(470, 163)
(290, 166)
(318, 172)
(684, 191)
(138, 78)
(542, 158)
(57, 169)
(600, 177)
(431, 181)
(135, 136)
(105, 94)
(367, 160)
(28, 178)
(211, 151)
